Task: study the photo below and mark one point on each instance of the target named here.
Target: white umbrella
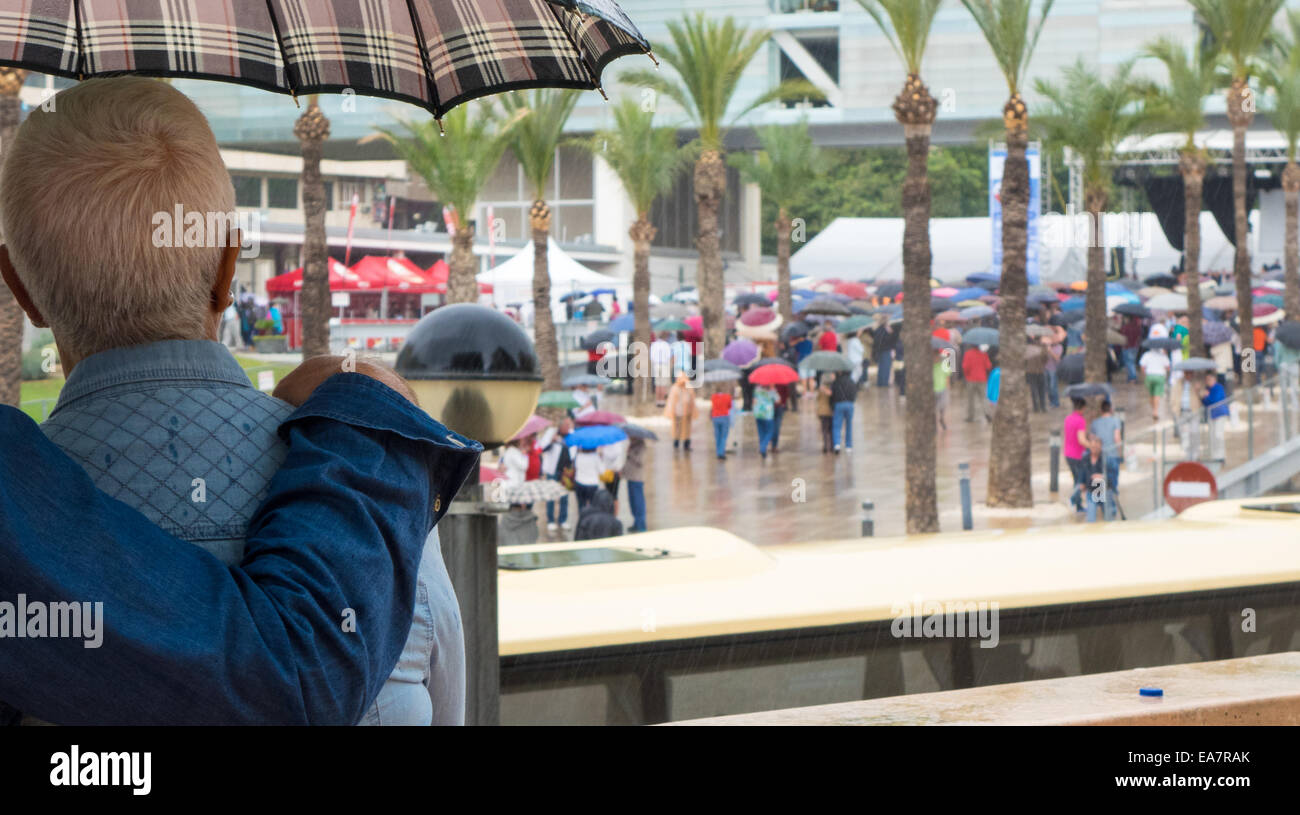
(1168, 302)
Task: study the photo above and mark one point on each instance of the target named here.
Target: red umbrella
(757, 316)
(773, 374)
(600, 417)
(855, 291)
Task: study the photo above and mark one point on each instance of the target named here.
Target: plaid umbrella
(530, 492)
(435, 55)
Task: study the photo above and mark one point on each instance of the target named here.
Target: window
(282, 193)
(248, 191)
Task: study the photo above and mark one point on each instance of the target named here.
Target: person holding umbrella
(883, 347)
(825, 413)
(1132, 331)
(1107, 428)
(634, 475)
(557, 465)
(1074, 441)
(764, 416)
(679, 408)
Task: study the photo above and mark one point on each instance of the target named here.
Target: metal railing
(1266, 413)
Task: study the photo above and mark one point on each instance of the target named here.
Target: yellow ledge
(1263, 690)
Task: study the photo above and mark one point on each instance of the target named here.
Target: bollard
(1123, 423)
(1250, 422)
(1054, 467)
(868, 524)
(963, 478)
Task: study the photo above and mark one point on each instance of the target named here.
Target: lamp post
(477, 372)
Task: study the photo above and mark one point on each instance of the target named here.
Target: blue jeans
(842, 418)
(764, 434)
(1112, 486)
(1053, 389)
(778, 413)
(1129, 356)
(721, 427)
(1091, 504)
(636, 503)
(550, 507)
(885, 364)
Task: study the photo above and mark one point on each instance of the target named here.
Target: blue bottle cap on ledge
(1151, 692)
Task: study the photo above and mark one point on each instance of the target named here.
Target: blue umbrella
(805, 293)
(573, 295)
(977, 312)
(1073, 304)
(621, 323)
(972, 293)
(589, 438)
(596, 292)
(983, 277)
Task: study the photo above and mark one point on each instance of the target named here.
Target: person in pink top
(1074, 440)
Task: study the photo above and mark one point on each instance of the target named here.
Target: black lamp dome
(468, 341)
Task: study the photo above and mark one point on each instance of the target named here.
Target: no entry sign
(1189, 483)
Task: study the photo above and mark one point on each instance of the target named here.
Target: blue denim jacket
(176, 430)
(197, 642)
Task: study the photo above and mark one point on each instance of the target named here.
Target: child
(1095, 492)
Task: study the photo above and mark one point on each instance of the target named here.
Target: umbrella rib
(284, 59)
(595, 80)
(81, 49)
(424, 60)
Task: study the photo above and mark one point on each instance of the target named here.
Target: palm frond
(1090, 114)
(646, 159)
(1178, 104)
(908, 29)
(788, 159)
(1010, 33)
(535, 139)
(1241, 30)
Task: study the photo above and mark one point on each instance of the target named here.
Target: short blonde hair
(79, 190)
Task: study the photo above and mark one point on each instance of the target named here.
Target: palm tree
(455, 167)
(1240, 31)
(1011, 36)
(312, 129)
(647, 160)
(1178, 106)
(788, 158)
(709, 57)
(1093, 116)
(534, 142)
(908, 31)
(1284, 80)
(11, 315)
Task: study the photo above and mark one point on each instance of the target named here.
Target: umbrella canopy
(532, 492)
(1067, 318)
(722, 375)
(670, 325)
(977, 312)
(1073, 304)
(1040, 299)
(1133, 310)
(1214, 332)
(1083, 390)
(1070, 369)
(940, 304)
(891, 288)
(826, 305)
(590, 380)
(1288, 333)
(535, 424)
(774, 361)
(599, 417)
(719, 365)
(758, 317)
(1163, 343)
(1194, 364)
(750, 299)
(852, 325)
(434, 55)
(593, 436)
(980, 336)
(637, 432)
(944, 291)
(1271, 299)
(793, 330)
(1267, 315)
(558, 399)
(740, 352)
(1168, 302)
(774, 375)
(950, 316)
(1039, 331)
(1162, 279)
(825, 361)
(852, 290)
(623, 322)
(1225, 289)
(939, 344)
(597, 338)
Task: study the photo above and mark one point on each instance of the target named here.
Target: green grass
(39, 389)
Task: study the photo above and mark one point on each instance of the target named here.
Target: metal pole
(1250, 422)
(1054, 461)
(468, 533)
(963, 479)
(868, 524)
(1286, 415)
(1123, 424)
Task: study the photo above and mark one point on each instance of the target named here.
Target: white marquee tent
(512, 280)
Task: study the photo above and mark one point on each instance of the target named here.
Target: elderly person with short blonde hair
(120, 227)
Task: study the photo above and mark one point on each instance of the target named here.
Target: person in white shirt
(514, 461)
(682, 361)
(585, 402)
(1155, 366)
(587, 467)
(661, 367)
(854, 350)
(613, 456)
(230, 327)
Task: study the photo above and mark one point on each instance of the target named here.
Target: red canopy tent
(341, 279)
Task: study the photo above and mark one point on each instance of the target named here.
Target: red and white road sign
(1189, 483)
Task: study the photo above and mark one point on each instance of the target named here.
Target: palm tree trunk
(1192, 166)
(312, 128)
(1241, 117)
(784, 296)
(1291, 190)
(642, 233)
(548, 350)
(1094, 362)
(921, 500)
(462, 285)
(1009, 453)
(710, 186)
(12, 322)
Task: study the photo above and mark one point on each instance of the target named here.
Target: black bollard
(868, 524)
(1054, 440)
(963, 479)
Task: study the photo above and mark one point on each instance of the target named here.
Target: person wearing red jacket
(975, 367)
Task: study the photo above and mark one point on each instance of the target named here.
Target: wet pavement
(760, 500)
